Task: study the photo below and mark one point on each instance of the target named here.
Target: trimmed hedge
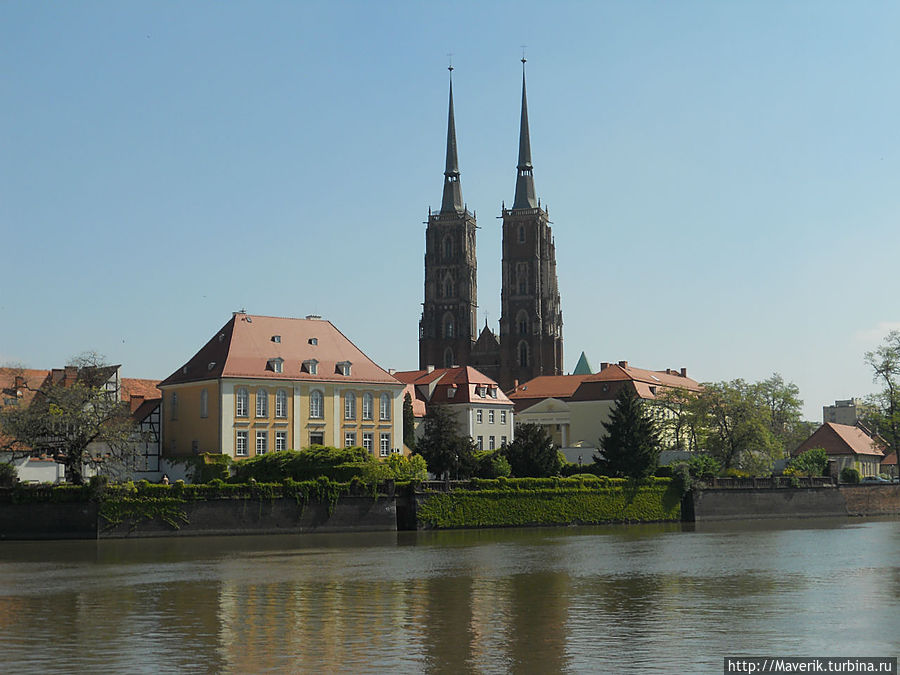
(623, 503)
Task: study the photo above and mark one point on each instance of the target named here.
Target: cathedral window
(522, 278)
(448, 288)
(448, 326)
(521, 234)
(523, 354)
(448, 359)
(522, 323)
(448, 247)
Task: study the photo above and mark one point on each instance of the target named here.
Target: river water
(616, 599)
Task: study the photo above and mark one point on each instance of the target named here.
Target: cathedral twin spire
(525, 195)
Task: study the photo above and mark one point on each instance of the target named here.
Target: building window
(493, 392)
(448, 247)
(349, 439)
(502, 441)
(344, 368)
(241, 402)
(349, 406)
(262, 442)
(204, 403)
(502, 417)
(523, 354)
(448, 287)
(195, 447)
(522, 323)
(281, 403)
(385, 445)
(240, 447)
(451, 391)
(448, 326)
(384, 410)
(448, 358)
(368, 406)
(280, 441)
(174, 415)
(480, 443)
(315, 404)
(479, 416)
(521, 234)
(491, 443)
(317, 438)
(367, 441)
(276, 338)
(276, 365)
(262, 403)
(311, 366)
(490, 416)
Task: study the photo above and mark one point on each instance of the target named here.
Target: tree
(784, 406)
(76, 421)
(740, 435)
(631, 445)
(409, 423)
(443, 448)
(683, 427)
(813, 462)
(532, 453)
(884, 418)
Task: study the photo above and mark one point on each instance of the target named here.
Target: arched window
(522, 278)
(315, 404)
(384, 409)
(521, 234)
(523, 353)
(448, 288)
(368, 405)
(349, 406)
(281, 403)
(204, 403)
(262, 403)
(448, 358)
(448, 247)
(522, 322)
(241, 402)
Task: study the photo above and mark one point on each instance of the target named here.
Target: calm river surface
(648, 599)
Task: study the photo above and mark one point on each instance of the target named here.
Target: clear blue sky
(722, 177)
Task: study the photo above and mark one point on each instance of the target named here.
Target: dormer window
(311, 366)
(313, 341)
(344, 368)
(276, 338)
(493, 392)
(451, 392)
(275, 365)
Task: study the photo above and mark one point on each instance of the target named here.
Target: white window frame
(277, 365)
(349, 439)
(492, 443)
(280, 441)
(479, 416)
(384, 407)
(490, 416)
(369, 441)
(312, 366)
(281, 404)
(242, 402)
(316, 405)
(368, 406)
(262, 403)
(480, 442)
(349, 406)
(241, 441)
(262, 442)
(502, 417)
(384, 444)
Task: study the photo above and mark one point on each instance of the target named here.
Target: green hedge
(654, 501)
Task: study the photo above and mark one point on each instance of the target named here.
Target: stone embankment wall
(710, 504)
(194, 518)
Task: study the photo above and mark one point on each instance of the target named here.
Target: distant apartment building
(842, 412)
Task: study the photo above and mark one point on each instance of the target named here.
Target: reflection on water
(655, 598)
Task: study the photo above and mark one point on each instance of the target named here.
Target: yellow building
(263, 384)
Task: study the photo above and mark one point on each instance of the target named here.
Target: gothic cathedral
(530, 342)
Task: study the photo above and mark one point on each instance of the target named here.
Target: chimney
(668, 371)
(57, 375)
(71, 374)
(623, 364)
(604, 365)
(684, 372)
(429, 368)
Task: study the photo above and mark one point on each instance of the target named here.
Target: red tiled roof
(841, 439)
(548, 386)
(33, 380)
(463, 380)
(595, 387)
(132, 386)
(245, 345)
(890, 459)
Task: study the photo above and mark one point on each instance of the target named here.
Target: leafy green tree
(631, 445)
(884, 416)
(813, 462)
(532, 453)
(491, 464)
(409, 423)
(683, 427)
(704, 466)
(445, 451)
(78, 423)
(784, 406)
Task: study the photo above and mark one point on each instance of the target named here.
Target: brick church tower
(447, 328)
(531, 341)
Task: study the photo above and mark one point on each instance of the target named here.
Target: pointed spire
(452, 200)
(525, 198)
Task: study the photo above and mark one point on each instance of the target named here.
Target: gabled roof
(841, 439)
(246, 345)
(890, 459)
(548, 386)
(133, 386)
(30, 378)
(645, 381)
(435, 386)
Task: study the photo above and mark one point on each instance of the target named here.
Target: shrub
(849, 475)
(8, 475)
(340, 464)
(491, 464)
(813, 462)
(704, 467)
(663, 472)
(210, 466)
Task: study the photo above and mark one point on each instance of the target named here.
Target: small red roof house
(847, 446)
(572, 408)
(482, 410)
(889, 465)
